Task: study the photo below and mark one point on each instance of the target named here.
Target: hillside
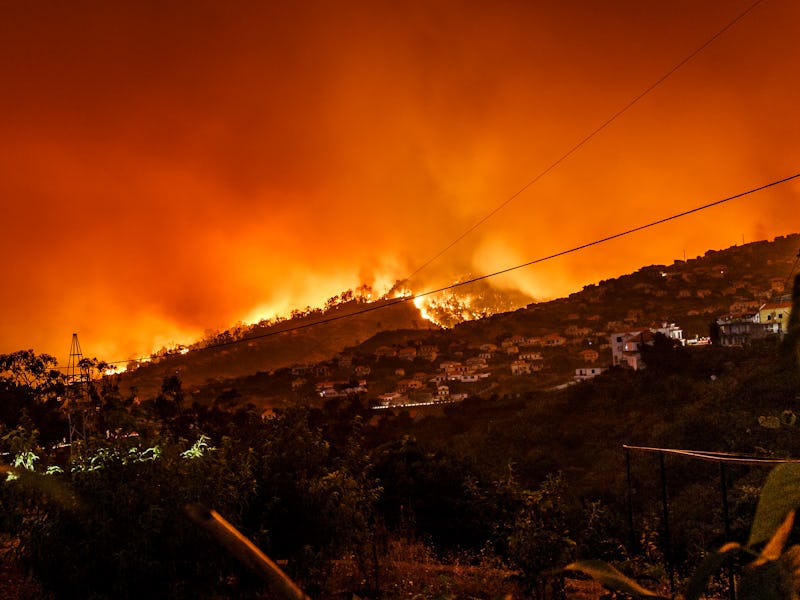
(691, 294)
(312, 338)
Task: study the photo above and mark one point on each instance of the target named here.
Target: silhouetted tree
(30, 382)
(665, 355)
(790, 348)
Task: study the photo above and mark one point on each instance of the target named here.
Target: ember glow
(172, 168)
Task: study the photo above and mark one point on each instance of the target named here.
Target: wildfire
(467, 303)
(419, 302)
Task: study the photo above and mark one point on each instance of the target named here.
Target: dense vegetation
(510, 488)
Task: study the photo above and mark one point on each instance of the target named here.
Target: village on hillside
(394, 359)
(735, 307)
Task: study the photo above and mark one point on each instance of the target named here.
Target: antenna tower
(78, 378)
(76, 372)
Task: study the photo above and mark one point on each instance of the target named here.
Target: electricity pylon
(77, 397)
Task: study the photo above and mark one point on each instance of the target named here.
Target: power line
(720, 457)
(586, 139)
(400, 300)
(621, 234)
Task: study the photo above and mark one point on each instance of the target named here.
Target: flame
(419, 302)
(473, 301)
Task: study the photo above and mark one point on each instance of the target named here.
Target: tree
(22, 438)
(26, 369)
(119, 529)
(790, 348)
(665, 355)
(313, 503)
(436, 495)
(169, 402)
(541, 540)
(30, 382)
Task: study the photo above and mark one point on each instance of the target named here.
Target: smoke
(168, 170)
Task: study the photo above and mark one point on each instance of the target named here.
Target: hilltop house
(774, 316)
(322, 370)
(514, 340)
(405, 385)
(392, 399)
(574, 330)
(672, 331)
(777, 284)
(429, 352)
(626, 345)
(476, 362)
(771, 319)
(407, 353)
(520, 367)
(738, 329)
(585, 373)
(468, 377)
(744, 306)
(554, 339)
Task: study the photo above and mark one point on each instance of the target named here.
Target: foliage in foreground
(771, 570)
(114, 525)
(320, 489)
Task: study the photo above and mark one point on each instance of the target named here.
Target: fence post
(727, 522)
(632, 545)
(667, 540)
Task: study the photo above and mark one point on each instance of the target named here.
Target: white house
(625, 347)
(672, 331)
(585, 373)
(520, 367)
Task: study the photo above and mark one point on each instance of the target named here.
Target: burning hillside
(469, 302)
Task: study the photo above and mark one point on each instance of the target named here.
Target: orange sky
(168, 168)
